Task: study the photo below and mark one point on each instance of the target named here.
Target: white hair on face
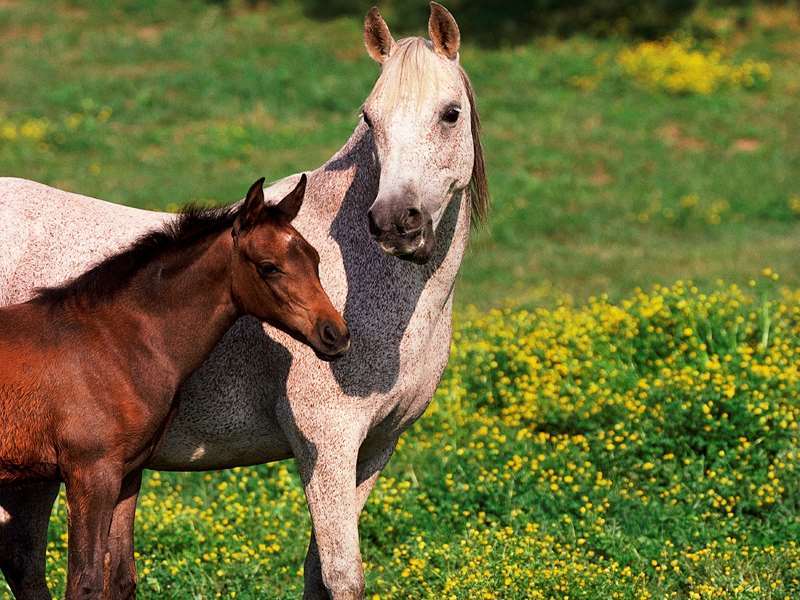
(412, 71)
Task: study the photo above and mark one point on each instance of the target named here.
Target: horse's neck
(398, 312)
(182, 305)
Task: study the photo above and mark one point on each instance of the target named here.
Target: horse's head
(275, 273)
(424, 123)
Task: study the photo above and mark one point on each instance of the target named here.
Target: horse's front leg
(318, 584)
(92, 493)
(328, 471)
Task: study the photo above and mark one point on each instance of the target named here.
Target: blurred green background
(605, 174)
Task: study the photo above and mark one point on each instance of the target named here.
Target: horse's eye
(451, 114)
(367, 120)
(267, 269)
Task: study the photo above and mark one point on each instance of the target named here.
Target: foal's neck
(182, 303)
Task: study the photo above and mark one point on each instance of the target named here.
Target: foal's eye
(267, 269)
(450, 114)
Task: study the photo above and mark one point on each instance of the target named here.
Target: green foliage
(511, 21)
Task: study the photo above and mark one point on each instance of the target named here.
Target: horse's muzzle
(333, 340)
(407, 235)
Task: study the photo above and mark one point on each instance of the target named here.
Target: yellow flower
(33, 129)
(673, 66)
(8, 131)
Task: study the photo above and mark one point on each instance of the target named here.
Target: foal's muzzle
(405, 233)
(333, 340)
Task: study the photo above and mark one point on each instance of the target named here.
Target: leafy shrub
(511, 21)
(676, 67)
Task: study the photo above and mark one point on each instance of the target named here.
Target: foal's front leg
(122, 567)
(92, 493)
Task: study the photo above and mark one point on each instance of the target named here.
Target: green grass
(203, 100)
(647, 449)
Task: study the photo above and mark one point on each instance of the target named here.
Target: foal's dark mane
(102, 281)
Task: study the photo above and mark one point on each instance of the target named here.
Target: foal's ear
(291, 203)
(443, 31)
(377, 37)
(252, 208)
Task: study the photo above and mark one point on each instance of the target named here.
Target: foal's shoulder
(19, 320)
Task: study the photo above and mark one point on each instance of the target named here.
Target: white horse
(412, 176)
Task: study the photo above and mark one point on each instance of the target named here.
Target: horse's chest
(400, 410)
(416, 383)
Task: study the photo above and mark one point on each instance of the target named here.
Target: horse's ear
(291, 203)
(443, 31)
(252, 208)
(377, 37)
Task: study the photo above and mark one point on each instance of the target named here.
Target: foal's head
(425, 126)
(275, 274)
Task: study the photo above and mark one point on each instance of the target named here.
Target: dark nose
(336, 340)
(374, 227)
(410, 221)
(403, 222)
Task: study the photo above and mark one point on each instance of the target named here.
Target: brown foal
(90, 368)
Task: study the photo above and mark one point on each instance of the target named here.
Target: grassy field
(647, 449)
(157, 103)
(635, 445)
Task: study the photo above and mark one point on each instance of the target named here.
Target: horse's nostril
(373, 225)
(410, 221)
(328, 334)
